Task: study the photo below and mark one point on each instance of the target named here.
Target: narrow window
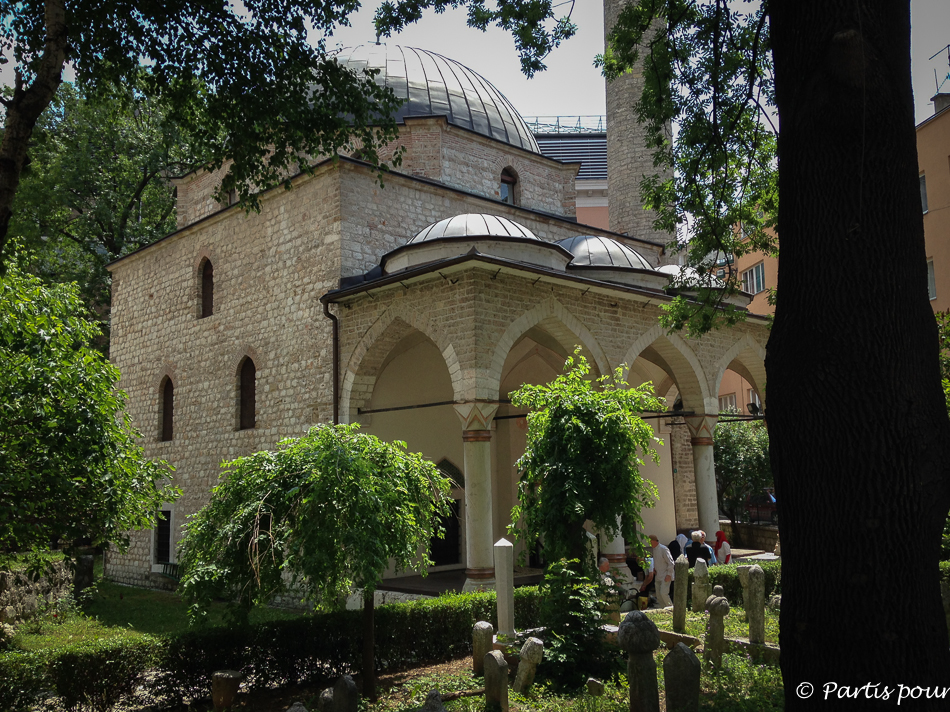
(168, 409)
(207, 289)
(923, 193)
(931, 281)
(163, 537)
(508, 188)
(248, 395)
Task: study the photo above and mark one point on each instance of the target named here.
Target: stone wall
(22, 598)
(754, 536)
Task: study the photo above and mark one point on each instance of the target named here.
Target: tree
(857, 421)
(582, 460)
(243, 81)
(321, 515)
(96, 185)
(69, 464)
(741, 453)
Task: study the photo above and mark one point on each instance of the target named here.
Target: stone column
(476, 446)
(701, 438)
(639, 637)
(505, 586)
(483, 635)
(715, 644)
(756, 610)
(701, 587)
(681, 569)
(615, 552)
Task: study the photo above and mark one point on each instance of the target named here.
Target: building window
(727, 403)
(247, 398)
(931, 281)
(207, 289)
(721, 273)
(508, 190)
(923, 192)
(167, 408)
(754, 399)
(753, 280)
(163, 537)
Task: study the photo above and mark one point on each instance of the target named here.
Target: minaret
(628, 158)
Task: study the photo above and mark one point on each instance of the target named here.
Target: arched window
(167, 397)
(207, 289)
(508, 190)
(248, 395)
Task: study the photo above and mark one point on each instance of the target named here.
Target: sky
(572, 86)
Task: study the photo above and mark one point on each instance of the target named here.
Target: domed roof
(433, 85)
(473, 225)
(595, 251)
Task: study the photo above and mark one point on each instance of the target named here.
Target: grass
(112, 611)
(736, 625)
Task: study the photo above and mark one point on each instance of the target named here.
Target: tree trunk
(857, 422)
(25, 107)
(369, 645)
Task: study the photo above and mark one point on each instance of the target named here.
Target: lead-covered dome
(608, 260)
(475, 234)
(433, 85)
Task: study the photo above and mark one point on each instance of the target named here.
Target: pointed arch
(747, 358)
(676, 357)
(370, 353)
(549, 314)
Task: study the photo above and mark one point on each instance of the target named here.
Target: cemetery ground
(119, 611)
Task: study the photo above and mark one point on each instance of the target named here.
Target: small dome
(473, 225)
(432, 85)
(594, 251)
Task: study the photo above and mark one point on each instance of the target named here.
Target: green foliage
(324, 513)
(278, 652)
(96, 186)
(582, 459)
(741, 454)
(69, 464)
(943, 330)
(573, 614)
(743, 686)
(708, 69)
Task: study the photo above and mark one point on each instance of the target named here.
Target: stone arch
(747, 358)
(561, 324)
(675, 356)
(372, 349)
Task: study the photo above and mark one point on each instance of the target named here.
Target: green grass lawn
(120, 611)
(735, 622)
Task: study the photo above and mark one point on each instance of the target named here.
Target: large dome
(433, 85)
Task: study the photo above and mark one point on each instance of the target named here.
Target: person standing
(698, 549)
(662, 573)
(721, 548)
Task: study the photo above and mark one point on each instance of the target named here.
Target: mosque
(413, 308)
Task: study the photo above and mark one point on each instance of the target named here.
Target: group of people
(661, 576)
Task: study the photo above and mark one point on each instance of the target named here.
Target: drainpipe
(336, 362)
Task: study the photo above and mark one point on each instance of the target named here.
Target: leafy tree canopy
(69, 464)
(582, 460)
(324, 513)
(242, 80)
(741, 453)
(96, 186)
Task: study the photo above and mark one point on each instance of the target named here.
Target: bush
(727, 576)
(96, 675)
(312, 648)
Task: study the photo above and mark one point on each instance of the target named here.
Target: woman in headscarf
(722, 548)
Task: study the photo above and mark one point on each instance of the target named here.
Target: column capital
(701, 428)
(476, 416)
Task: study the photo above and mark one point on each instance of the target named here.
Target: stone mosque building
(413, 309)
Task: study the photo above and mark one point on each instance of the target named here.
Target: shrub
(23, 676)
(727, 576)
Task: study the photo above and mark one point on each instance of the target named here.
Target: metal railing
(566, 124)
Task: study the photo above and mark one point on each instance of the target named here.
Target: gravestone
(681, 574)
(342, 697)
(482, 635)
(297, 707)
(756, 610)
(744, 581)
(701, 587)
(496, 680)
(224, 688)
(681, 671)
(595, 688)
(715, 644)
(639, 637)
(505, 586)
(433, 703)
(532, 652)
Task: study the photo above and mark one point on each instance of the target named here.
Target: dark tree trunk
(369, 645)
(25, 107)
(857, 422)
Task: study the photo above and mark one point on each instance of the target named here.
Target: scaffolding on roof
(566, 124)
